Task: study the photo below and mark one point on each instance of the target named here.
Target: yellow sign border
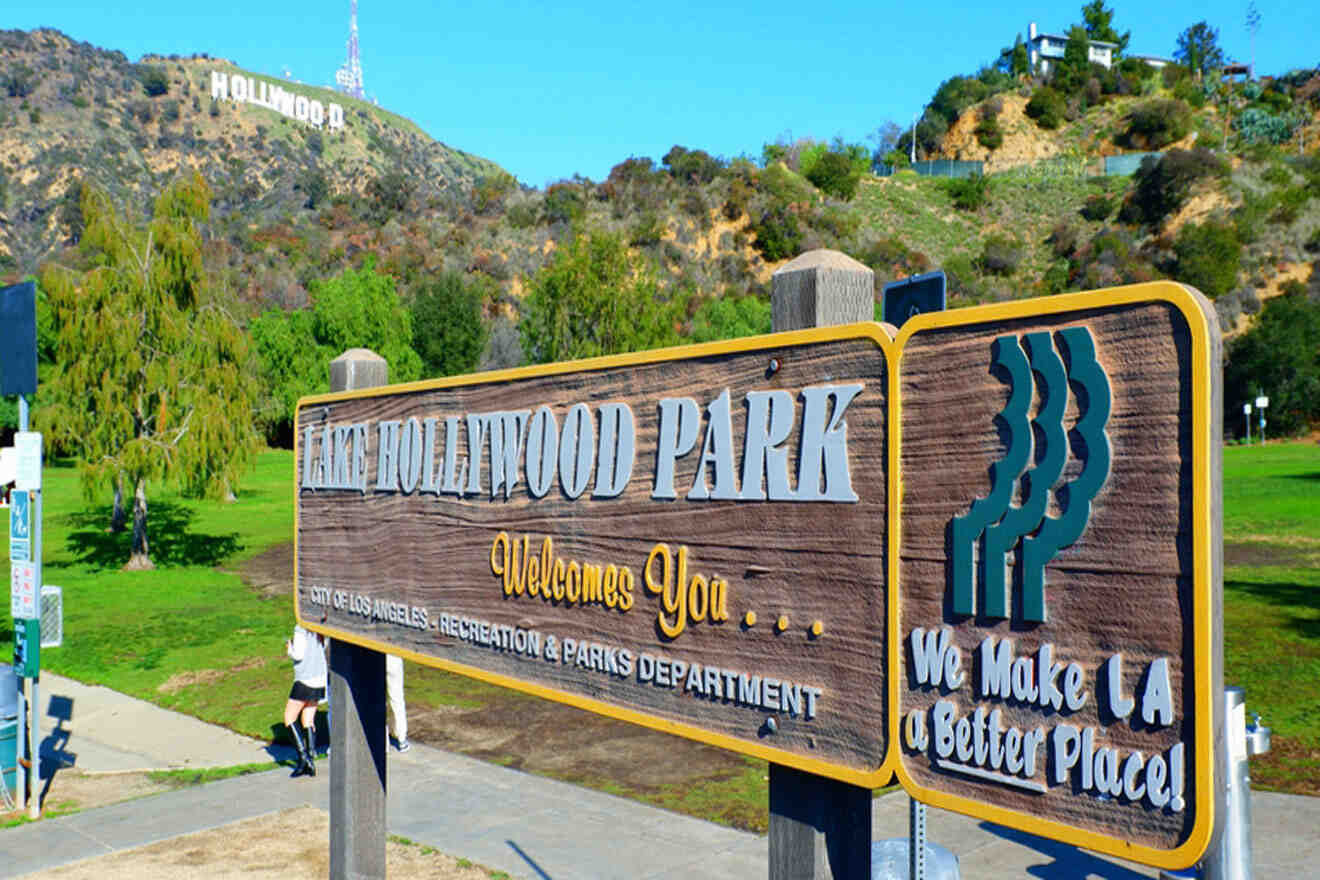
(866, 330)
(1194, 310)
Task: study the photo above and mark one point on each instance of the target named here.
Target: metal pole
(20, 777)
(916, 839)
(1231, 858)
(31, 693)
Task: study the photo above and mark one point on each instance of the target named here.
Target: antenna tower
(349, 77)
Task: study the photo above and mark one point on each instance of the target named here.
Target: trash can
(8, 729)
(889, 861)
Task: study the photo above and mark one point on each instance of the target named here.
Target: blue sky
(550, 90)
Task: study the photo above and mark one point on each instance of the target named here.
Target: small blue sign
(20, 515)
(910, 297)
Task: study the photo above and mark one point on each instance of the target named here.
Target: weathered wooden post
(357, 707)
(820, 828)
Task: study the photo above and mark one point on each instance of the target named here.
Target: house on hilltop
(1046, 50)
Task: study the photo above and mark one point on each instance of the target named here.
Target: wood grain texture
(810, 561)
(1126, 585)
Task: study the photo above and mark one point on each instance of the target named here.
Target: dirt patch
(1196, 210)
(270, 572)
(553, 739)
(181, 680)
(1290, 766)
(72, 790)
(291, 844)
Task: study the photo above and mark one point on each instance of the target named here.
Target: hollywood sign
(247, 90)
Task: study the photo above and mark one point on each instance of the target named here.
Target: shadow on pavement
(54, 749)
(1068, 862)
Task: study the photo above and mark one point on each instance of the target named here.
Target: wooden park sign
(980, 556)
(1058, 571)
(693, 539)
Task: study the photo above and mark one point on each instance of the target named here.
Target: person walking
(394, 690)
(307, 650)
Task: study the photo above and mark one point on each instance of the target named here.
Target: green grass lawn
(150, 634)
(194, 638)
(1272, 603)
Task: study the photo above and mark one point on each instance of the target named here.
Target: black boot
(304, 759)
(309, 734)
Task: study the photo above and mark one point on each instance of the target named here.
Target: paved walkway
(530, 827)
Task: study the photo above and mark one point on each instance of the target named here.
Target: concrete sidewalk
(525, 825)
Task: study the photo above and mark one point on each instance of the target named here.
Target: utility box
(8, 732)
(27, 647)
(52, 616)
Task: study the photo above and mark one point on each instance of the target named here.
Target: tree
(1073, 70)
(1277, 357)
(1015, 61)
(729, 317)
(1099, 26)
(1198, 48)
(151, 378)
(290, 364)
(448, 332)
(355, 309)
(595, 297)
(360, 308)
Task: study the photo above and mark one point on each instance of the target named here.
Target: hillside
(294, 206)
(71, 112)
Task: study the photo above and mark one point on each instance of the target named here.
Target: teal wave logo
(984, 539)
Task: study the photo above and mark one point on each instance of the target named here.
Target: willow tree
(151, 381)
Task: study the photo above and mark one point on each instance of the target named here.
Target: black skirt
(306, 694)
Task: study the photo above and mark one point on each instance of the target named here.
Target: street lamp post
(1246, 418)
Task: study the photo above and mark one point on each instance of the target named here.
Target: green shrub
(968, 193)
(785, 186)
(778, 233)
(691, 166)
(1249, 217)
(835, 174)
(1055, 279)
(1000, 255)
(740, 194)
(1258, 126)
(955, 95)
(988, 133)
(1313, 241)
(1099, 207)
(1156, 123)
(155, 82)
(564, 202)
(648, 229)
(1209, 256)
(1047, 107)
(1288, 204)
(1162, 184)
(490, 192)
(1189, 91)
(19, 80)
(521, 215)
